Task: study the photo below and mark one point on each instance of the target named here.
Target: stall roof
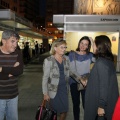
(72, 23)
(32, 33)
(10, 20)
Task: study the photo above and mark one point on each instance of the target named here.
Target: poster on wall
(113, 38)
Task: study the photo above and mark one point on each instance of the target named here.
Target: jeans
(76, 100)
(9, 108)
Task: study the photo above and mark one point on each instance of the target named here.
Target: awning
(74, 23)
(31, 33)
(10, 20)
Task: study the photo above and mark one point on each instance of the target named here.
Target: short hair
(56, 43)
(89, 45)
(10, 33)
(103, 45)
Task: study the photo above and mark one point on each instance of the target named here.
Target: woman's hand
(91, 40)
(46, 97)
(83, 80)
(101, 111)
(10, 75)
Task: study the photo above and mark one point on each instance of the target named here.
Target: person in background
(36, 49)
(102, 87)
(11, 66)
(55, 78)
(26, 52)
(116, 114)
(80, 61)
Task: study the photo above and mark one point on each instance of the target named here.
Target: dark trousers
(76, 100)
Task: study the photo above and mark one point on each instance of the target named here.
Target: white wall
(72, 39)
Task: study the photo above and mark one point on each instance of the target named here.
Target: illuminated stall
(76, 26)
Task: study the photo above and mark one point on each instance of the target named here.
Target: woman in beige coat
(55, 78)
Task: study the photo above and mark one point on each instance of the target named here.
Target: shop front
(11, 21)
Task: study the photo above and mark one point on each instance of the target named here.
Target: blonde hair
(56, 43)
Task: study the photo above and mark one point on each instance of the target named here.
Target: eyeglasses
(63, 47)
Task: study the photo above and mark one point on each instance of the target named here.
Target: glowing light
(101, 3)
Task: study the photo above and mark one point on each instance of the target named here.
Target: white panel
(90, 19)
(97, 28)
(6, 14)
(58, 19)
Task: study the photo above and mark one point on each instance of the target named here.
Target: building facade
(57, 7)
(97, 7)
(28, 9)
(10, 4)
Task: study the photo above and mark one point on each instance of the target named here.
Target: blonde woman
(55, 78)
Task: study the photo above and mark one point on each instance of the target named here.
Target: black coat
(102, 89)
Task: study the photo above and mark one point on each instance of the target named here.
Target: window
(15, 1)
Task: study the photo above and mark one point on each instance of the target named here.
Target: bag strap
(74, 58)
(41, 108)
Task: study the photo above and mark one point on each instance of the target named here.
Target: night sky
(42, 7)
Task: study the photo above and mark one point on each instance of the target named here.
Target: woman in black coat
(102, 88)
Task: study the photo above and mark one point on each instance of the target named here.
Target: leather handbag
(100, 118)
(83, 78)
(45, 113)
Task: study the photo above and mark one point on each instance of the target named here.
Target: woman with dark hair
(80, 61)
(102, 87)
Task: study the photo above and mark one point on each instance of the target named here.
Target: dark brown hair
(89, 45)
(103, 45)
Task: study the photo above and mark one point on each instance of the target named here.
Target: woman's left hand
(84, 82)
(101, 111)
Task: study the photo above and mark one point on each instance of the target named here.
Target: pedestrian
(26, 52)
(36, 49)
(55, 78)
(102, 87)
(11, 66)
(116, 114)
(80, 61)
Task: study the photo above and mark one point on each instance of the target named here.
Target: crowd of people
(29, 53)
(99, 91)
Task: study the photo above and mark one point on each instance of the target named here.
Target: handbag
(45, 113)
(83, 78)
(100, 118)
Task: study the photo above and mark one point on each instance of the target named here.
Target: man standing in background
(36, 49)
(11, 66)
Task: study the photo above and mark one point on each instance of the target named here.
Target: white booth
(76, 26)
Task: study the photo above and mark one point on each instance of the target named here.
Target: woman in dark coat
(102, 88)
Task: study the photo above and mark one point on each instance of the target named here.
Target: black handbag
(100, 118)
(44, 113)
